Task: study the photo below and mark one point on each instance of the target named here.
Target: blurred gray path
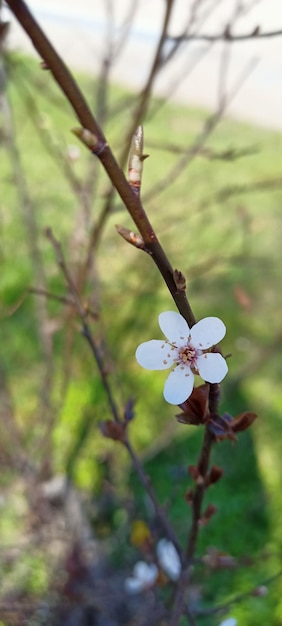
(79, 29)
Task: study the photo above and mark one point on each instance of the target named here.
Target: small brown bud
(180, 280)
(113, 430)
(209, 512)
(195, 409)
(134, 238)
(214, 475)
(195, 474)
(243, 421)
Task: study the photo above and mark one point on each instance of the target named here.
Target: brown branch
(78, 103)
(202, 465)
(226, 35)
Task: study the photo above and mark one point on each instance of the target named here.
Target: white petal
(145, 572)
(174, 327)
(133, 585)
(169, 559)
(207, 332)
(230, 621)
(155, 355)
(212, 367)
(179, 385)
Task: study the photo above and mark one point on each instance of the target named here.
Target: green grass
(224, 232)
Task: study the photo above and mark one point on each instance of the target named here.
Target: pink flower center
(187, 355)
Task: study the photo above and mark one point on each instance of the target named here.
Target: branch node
(134, 238)
(90, 140)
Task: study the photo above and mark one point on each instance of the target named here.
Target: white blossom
(168, 559)
(230, 621)
(187, 349)
(144, 576)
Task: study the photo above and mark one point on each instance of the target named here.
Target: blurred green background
(220, 224)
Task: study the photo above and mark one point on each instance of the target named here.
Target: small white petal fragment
(212, 367)
(144, 576)
(179, 385)
(230, 621)
(168, 559)
(174, 327)
(207, 332)
(155, 355)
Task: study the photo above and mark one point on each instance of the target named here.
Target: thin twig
(82, 314)
(194, 150)
(238, 598)
(227, 36)
(63, 299)
(229, 154)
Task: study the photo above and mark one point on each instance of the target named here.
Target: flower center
(187, 355)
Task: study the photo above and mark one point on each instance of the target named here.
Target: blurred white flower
(168, 559)
(230, 621)
(144, 576)
(186, 349)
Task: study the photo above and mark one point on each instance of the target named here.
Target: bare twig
(227, 36)
(82, 314)
(63, 299)
(238, 598)
(194, 150)
(229, 154)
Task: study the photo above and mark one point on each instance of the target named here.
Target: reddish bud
(113, 430)
(243, 421)
(209, 512)
(195, 474)
(214, 475)
(195, 409)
